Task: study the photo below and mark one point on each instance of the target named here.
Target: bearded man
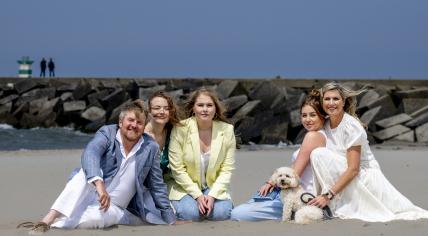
(120, 181)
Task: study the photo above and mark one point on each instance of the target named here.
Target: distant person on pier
(43, 67)
(51, 67)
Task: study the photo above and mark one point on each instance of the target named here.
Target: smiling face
(131, 126)
(310, 118)
(333, 103)
(204, 108)
(159, 110)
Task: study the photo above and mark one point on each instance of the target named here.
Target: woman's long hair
(313, 99)
(219, 107)
(174, 112)
(348, 95)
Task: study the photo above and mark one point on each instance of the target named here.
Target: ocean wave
(6, 126)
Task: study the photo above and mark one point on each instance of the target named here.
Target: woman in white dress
(267, 205)
(347, 175)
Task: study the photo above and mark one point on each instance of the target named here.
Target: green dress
(164, 160)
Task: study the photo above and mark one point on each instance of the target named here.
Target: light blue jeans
(187, 209)
(258, 210)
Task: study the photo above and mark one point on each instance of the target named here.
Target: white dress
(307, 177)
(369, 196)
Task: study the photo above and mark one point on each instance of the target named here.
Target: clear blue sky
(222, 38)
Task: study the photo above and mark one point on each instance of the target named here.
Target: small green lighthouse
(25, 67)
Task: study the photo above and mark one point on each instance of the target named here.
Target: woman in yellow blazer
(201, 159)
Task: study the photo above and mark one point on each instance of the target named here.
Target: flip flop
(27, 224)
(39, 229)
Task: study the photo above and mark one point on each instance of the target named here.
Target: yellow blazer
(185, 160)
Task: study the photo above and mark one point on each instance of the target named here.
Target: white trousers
(80, 208)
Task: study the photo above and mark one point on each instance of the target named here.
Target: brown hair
(219, 108)
(313, 99)
(174, 112)
(136, 106)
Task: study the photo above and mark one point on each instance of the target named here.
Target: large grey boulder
(94, 113)
(25, 85)
(229, 88)
(82, 90)
(145, 93)
(8, 99)
(390, 132)
(108, 84)
(67, 87)
(6, 108)
(368, 98)
(370, 117)
(114, 116)
(94, 98)
(233, 103)
(37, 105)
(67, 96)
(74, 106)
(295, 118)
(40, 120)
(5, 116)
(413, 93)
(250, 128)
(175, 94)
(410, 105)
(387, 105)
(419, 112)
(275, 133)
(249, 109)
(393, 120)
(114, 99)
(40, 93)
(408, 136)
(422, 133)
(146, 83)
(417, 121)
(266, 92)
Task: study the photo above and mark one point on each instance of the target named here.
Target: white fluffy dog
(291, 190)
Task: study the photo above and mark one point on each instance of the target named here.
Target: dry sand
(31, 180)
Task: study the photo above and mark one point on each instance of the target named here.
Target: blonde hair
(348, 95)
(219, 107)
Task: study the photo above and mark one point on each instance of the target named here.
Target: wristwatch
(329, 194)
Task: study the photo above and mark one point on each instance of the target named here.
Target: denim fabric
(187, 209)
(102, 157)
(258, 210)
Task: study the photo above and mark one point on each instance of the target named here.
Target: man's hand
(103, 197)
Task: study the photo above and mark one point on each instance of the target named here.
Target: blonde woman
(349, 177)
(201, 157)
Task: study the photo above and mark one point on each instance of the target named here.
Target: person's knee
(188, 213)
(241, 213)
(317, 153)
(222, 211)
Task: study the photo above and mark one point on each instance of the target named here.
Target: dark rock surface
(262, 110)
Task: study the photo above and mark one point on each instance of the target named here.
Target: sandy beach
(31, 180)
